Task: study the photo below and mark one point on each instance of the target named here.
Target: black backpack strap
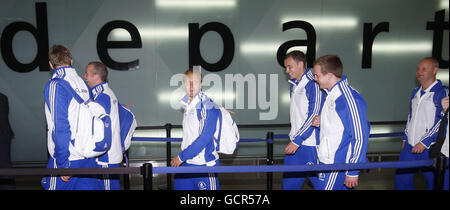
(435, 149)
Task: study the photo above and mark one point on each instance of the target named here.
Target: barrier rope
(276, 136)
(373, 135)
(294, 168)
(165, 139)
(144, 170)
(147, 170)
(68, 171)
(218, 169)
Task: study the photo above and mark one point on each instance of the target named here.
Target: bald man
(424, 112)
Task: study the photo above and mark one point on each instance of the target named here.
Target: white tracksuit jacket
(424, 112)
(63, 95)
(200, 128)
(103, 95)
(306, 102)
(344, 128)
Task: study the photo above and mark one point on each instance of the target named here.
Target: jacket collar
(306, 75)
(98, 89)
(433, 87)
(343, 81)
(62, 71)
(195, 99)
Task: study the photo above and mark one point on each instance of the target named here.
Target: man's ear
(328, 75)
(51, 66)
(98, 77)
(71, 62)
(301, 63)
(435, 70)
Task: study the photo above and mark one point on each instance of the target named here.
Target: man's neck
(61, 66)
(301, 74)
(333, 82)
(96, 84)
(191, 98)
(427, 84)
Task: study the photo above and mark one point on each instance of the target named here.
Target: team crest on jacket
(202, 185)
(321, 176)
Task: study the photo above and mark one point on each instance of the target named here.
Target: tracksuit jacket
(344, 128)
(62, 107)
(425, 111)
(200, 129)
(103, 95)
(306, 102)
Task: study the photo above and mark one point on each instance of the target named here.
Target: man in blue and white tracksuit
(344, 128)
(122, 127)
(424, 112)
(306, 102)
(199, 146)
(63, 95)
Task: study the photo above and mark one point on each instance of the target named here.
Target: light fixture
(154, 33)
(444, 4)
(326, 22)
(266, 48)
(195, 4)
(443, 76)
(405, 47)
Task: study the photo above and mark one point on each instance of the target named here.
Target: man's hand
(444, 104)
(65, 178)
(351, 182)
(316, 121)
(290, 149)
(175, 161)
(418, 149)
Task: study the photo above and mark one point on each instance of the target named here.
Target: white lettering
(240, 92)
(192, 200)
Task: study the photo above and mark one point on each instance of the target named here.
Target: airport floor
(375, 179)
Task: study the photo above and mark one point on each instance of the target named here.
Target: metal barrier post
(147, 174)
(439, 175)
(269, 140)
(168, 154)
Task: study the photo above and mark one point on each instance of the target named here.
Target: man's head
(95, 74)
(295, 64)
(192, 82)
(426, 71)
(328, 70)
(59, 56)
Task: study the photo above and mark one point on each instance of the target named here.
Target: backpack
(228, 135)
(92, 138)
(128, 125)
